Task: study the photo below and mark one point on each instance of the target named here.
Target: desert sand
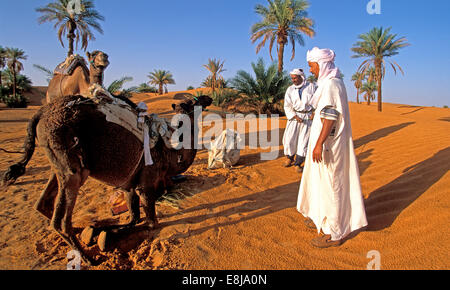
(245, 217)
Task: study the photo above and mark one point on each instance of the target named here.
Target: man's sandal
(324, 242)
(288, 163)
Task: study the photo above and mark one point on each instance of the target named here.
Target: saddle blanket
(70, 64)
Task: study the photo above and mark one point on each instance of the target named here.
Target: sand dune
(245, 217)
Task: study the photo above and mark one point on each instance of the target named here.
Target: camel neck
(96, 76)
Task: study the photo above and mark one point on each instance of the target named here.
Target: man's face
(314, 68)
(296, 80)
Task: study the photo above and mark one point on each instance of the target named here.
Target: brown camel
(81, 79)
(79, 143)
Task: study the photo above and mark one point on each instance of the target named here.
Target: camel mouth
(102, 65)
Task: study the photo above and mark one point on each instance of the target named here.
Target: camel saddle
(137, 121)
(70, 64)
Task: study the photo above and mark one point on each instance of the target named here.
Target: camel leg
(46, 201)
(148, 198)
(133, 205)
(69, 184)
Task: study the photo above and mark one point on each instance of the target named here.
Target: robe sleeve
(288, 106)
(331, 101)
(329, 113)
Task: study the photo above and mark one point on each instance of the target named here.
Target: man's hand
(298, 119)
(324, 133)
(317, 153)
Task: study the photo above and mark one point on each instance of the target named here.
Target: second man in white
(298, 109)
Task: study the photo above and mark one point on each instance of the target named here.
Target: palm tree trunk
(14, 83)
(160, 91)
(379, 95)
(357, 95)
(71, 37)
(379, 77)
(280, 57)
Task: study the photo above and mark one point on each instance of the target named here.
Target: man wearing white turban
(330, 194)
(298, 110)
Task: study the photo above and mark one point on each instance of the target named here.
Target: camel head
(187, 107)
(98, 59)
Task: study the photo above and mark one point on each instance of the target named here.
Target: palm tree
(145, 88)
(376, 45)
(14, 56)
(77, 25)
(23, 83)
(2, 63)
(312, 79)
(116, 86)
(371, 74)
(357, 78)
(220, 83)
(283, 21)
(369, 89)
(161, 78)
(215, 67)
(264, 91)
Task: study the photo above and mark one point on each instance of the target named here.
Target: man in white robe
(298, 110)
(330, 191)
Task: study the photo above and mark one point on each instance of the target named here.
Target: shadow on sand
(413, 111)
(380, 134)
(386, 203)
(251, 206)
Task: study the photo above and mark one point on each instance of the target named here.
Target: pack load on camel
(79, 142)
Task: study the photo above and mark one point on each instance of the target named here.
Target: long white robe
(296, 135)
(330, 191)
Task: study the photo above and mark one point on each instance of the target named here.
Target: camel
(79, 143)
(81, 79)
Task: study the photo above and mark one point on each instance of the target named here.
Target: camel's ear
(173, 106)
(88, 55)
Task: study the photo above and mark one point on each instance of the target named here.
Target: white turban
(325, 59)
(299, 72)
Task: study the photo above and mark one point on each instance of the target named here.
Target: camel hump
(68, 66)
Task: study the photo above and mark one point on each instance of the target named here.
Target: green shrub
(265, 91)
(15, 102)
(445, 106)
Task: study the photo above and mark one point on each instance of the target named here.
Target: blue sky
(181, 35)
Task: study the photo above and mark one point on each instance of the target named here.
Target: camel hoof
(87, 236)
(102, 241)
